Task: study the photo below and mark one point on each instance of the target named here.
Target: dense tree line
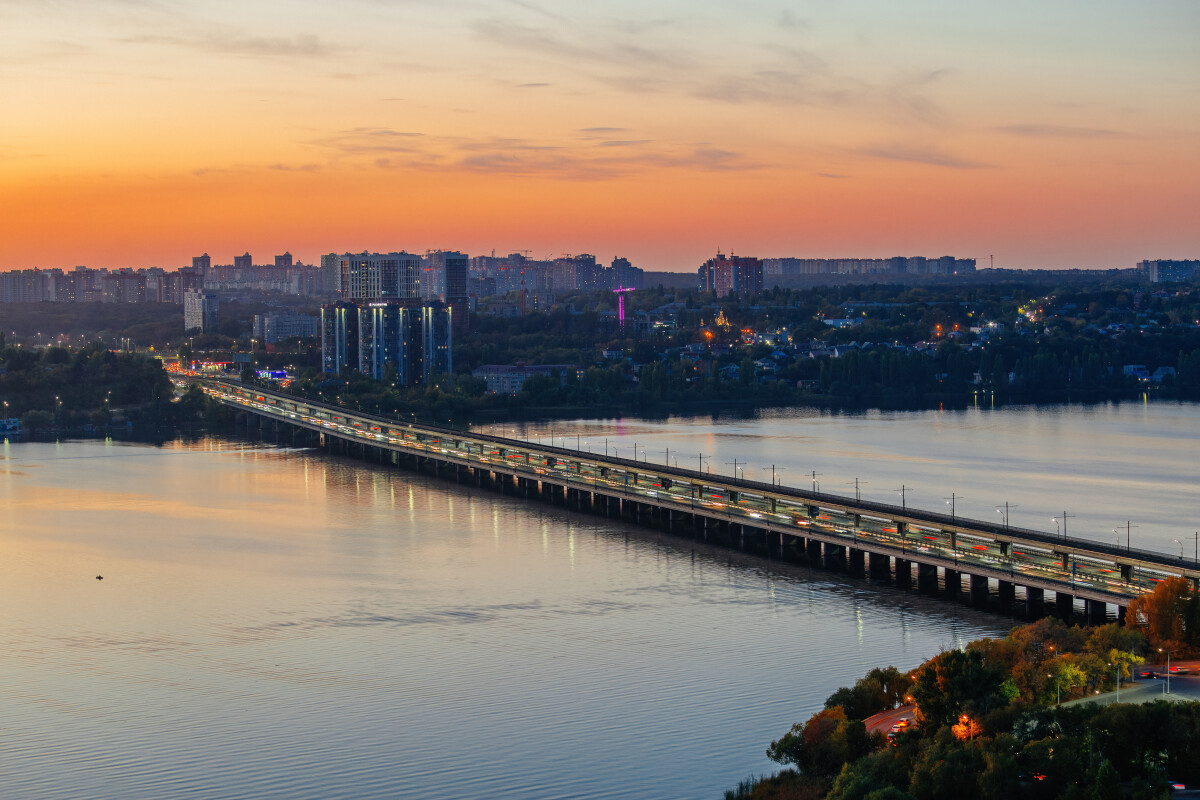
(55, 387)
(989, 724)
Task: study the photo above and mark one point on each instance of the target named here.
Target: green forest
(989, 723)
(55, 388)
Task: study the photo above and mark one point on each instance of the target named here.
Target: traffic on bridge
(1070, 567)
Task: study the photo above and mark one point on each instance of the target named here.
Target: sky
(1046, 134)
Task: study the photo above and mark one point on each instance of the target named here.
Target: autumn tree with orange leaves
(1169, 616)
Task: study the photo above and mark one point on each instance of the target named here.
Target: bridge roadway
(883, 541)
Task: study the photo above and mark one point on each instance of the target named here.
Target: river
(279, 623)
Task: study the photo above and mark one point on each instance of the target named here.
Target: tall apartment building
(378, 276)
(739, 274)
(339, 338)
(411, 337)
(26, 286)
(626, 276)
(1170, 270)
(202, 263)
(200, 311)
(284, 261)
(444, 278)
(898, 265)
(271, 328)
(245, 261)
(123, 286)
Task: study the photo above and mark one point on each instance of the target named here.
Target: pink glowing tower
(620, 293)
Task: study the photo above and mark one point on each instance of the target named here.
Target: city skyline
(148, 132)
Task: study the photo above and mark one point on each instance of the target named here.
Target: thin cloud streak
(228, 43)
(593, 160)
(920, 154)
(1060, 132)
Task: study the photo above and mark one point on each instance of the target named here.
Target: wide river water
(277, 623)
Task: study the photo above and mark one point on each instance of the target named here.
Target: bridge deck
(1081, 568)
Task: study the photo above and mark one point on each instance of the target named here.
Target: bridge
(904, 546)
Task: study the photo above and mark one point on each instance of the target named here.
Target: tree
(1125, 661)
(823, 744)
(1169, 616)
(957, 682)
(1065, 675)
(1116, 637)
(878, 690)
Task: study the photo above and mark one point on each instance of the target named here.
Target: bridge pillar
(953, 583)
(880, 566)
(1064, 606)
(789, 547)
(857, 559)
(812, 549)
(979, 590)
(927, 578)
(1035, 602)
(1097, 612)
(1121, 614)
(1008, 593)
(835, 557)
(903, 574)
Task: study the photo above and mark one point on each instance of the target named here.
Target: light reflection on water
(276, 623)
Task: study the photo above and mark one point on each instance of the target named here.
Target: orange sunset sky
(1052, 134)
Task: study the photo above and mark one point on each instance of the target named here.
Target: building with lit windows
(200, 311)
(738, 274)
(405, 342)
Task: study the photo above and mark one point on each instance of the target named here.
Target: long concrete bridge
(938, 553)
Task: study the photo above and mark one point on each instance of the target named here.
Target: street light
(1057, 689)
(950, 501)
(1128, 526)
(1003, 512)
(966, 723)
(1168, 669)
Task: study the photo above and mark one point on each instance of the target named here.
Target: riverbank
(984, 720)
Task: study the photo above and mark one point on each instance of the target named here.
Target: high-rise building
(339, 338)
(411, 337)
(284, 261)
(739, 274)
(271, 328)
(245, 261)
(202, 263)
(123, 286)
(380, 276)
(1170, 270)
(200, 311)
(626, 276)
(589, 276)
(444, 278)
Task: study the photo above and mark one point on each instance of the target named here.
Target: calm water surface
(282, 624)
